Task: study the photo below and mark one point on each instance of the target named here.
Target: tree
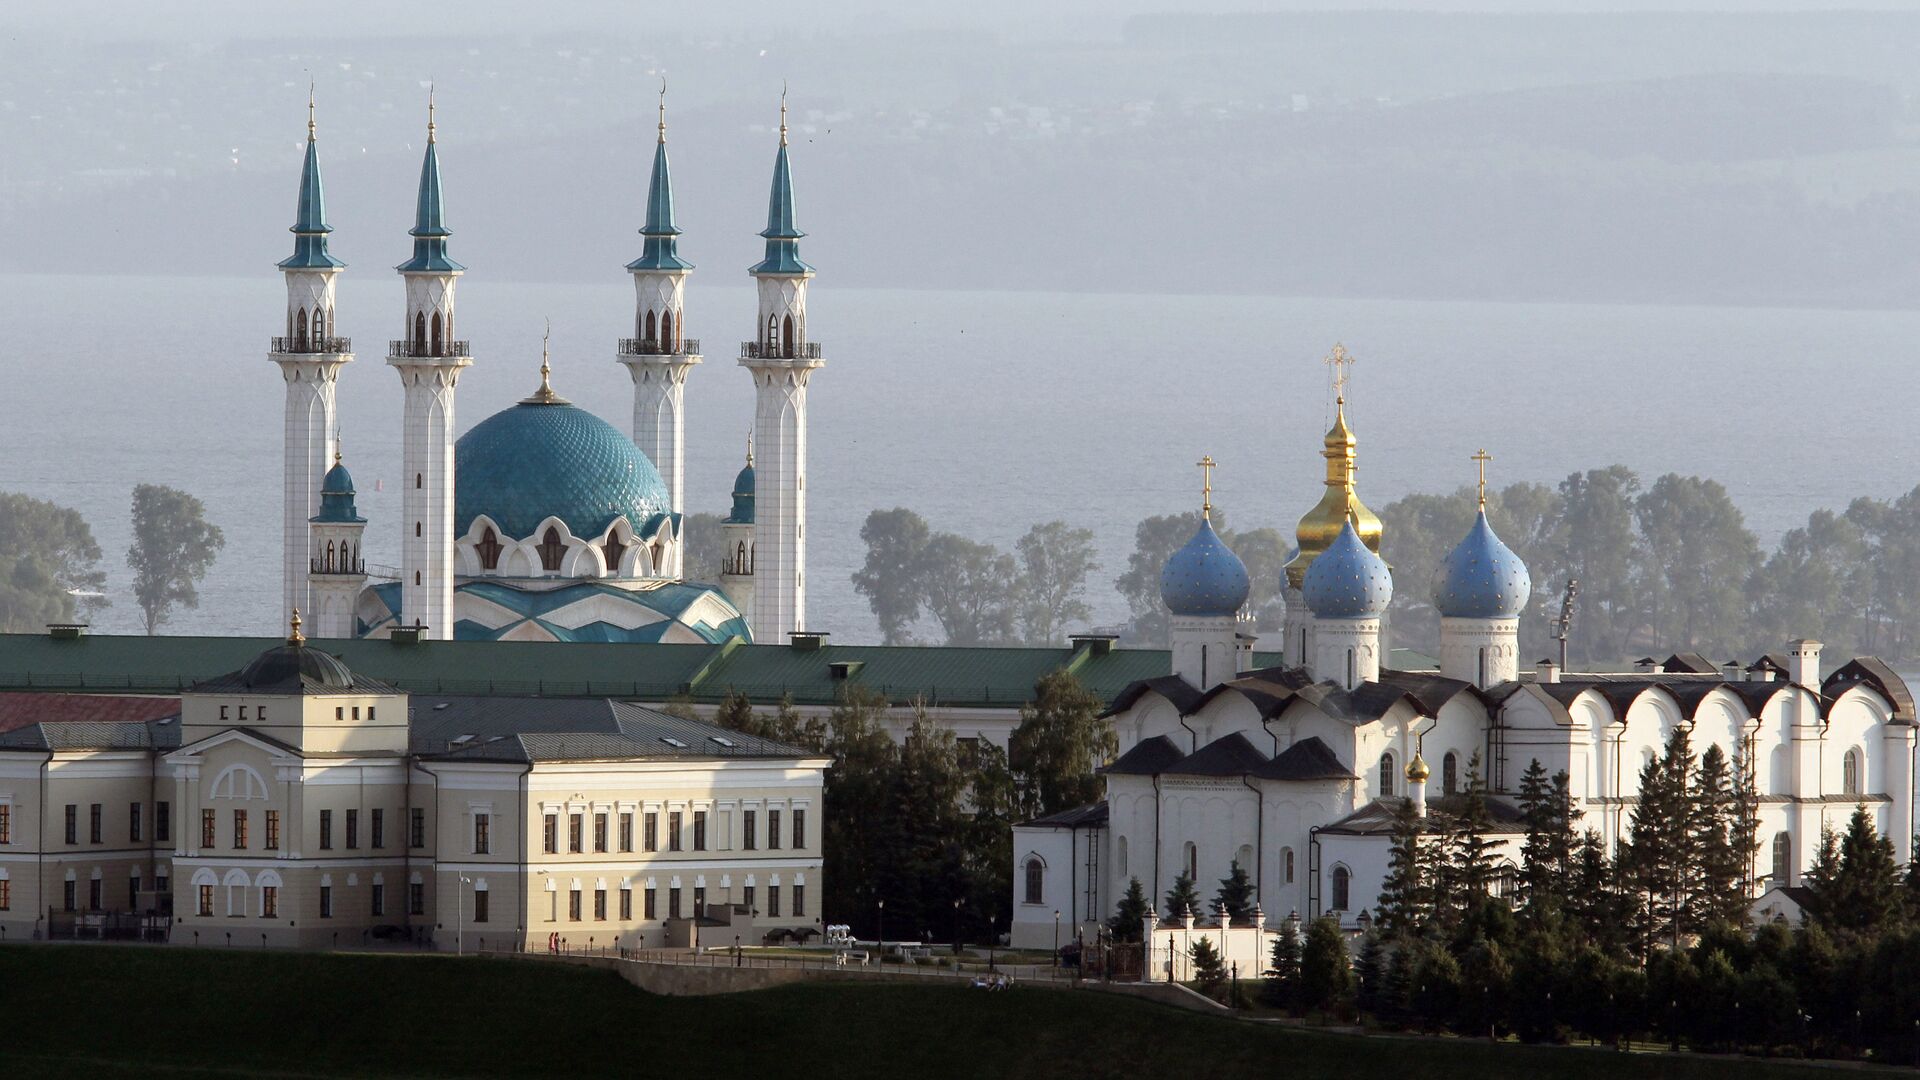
(1233, 903)
(1209, 972)
(1055, 561)
(1154, 542)
(1660, 862)
(1859, 892)
(968, 588)
(1471, 855)
(1265, 553)
(1405, 897)
(1600, 545)
(1699, 557)
(173, 547)
(1182, 898)
(48, 565)
(1060, 741)
(1720, 888)
(1282, 984)
(896, 540)
(1371, 972)
(1326, 975)
(1130, 915)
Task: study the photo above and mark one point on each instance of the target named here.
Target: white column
(310, 365)
(780, 449)
(426, 563)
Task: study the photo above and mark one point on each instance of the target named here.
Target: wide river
(985, 412)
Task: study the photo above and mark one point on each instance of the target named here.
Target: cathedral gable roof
(1308, 759)
(1874, 672)
(1149, 757)
(1230, 755)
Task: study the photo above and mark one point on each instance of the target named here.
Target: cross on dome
(1339, 362)
(1206, 465)
(1480, 458)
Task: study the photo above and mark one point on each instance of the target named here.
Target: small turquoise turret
(336, 496)
(429, 230)
(310, 227)
(336, 570)
(743, 492)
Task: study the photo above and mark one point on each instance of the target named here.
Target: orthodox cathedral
(545, 522)
(1294, 772)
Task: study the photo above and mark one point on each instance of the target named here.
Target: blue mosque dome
(1481, 578)
(547, 458)
(336, 497)
(743, 496)
(1348, 581)
(1204, 578)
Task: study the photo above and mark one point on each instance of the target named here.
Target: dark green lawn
(109, 1012)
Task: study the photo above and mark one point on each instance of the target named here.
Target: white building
(1294, 772)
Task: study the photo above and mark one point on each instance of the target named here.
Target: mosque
(545, 522)
(1294, 771)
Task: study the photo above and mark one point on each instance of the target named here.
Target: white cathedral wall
(1226, 714)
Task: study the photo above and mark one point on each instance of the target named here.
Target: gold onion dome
(1339, 505)
(1417, 769)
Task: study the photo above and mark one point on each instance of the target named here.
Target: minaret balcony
(356, 567)
(305, 344)
(656, 347)
(414, 350)
(760, 350)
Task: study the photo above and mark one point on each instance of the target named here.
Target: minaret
(736, 568)
(781, 360)
(659, 355)
(429, 359)
(339, 570)
(1317, 531)
(310, 358)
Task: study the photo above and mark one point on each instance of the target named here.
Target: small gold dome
(1417, 769)
(1321, 526)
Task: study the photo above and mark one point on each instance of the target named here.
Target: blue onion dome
(338, 480)
(1348, 581)
(547, 458)
(1204, 578)
(1481, 578)
(336, 497)
(743, 497)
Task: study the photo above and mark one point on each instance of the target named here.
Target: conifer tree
(1538, 865)
(1370, 970)
(1233, 904)
(1660, 865)
(1719, 889)
(1282, 985)
(1131, 913)
(1471, 856)
(1405, 901)
(1181, 899)
(1209, 971)
(1822, 878)
(1326, 975)
(1864, 895)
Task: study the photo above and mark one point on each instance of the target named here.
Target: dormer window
(614, 550)
(488, 549)
(551, 550)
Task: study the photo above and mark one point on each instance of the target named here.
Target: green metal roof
(972, 677)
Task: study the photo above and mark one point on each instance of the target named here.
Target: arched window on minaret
(666, 332)
(551, 550)
(436, 334)
(329, 563)
(786, 337)
(300, 329)
(319, 328)
(419, 331)
(489, 550)
(740, 559)
(773, 333)
(647, 336)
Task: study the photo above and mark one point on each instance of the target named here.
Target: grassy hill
(111, 1012)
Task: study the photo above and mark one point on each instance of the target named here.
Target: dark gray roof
(161, 734)
(1308, 759)
(1091, 815)
(1377, 817)
(293, 669)
(1231, 755)
(1690, 663)
(562, 729)
(1172, 687)
(1874, 672)
(1149, 757)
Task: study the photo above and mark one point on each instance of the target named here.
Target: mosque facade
(544, 522)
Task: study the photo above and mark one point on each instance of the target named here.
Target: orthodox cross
(1338, 362)
(1206, 465)
(1481, 458)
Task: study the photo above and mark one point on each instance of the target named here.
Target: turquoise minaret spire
(310, 227)
(783, 237)
(660, 231)
(429, 230)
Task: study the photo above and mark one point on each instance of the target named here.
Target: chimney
(1094, 644)
(1732, 670)
(807, 640)
(1803, 662)
(1547, 671)
(1647, 665)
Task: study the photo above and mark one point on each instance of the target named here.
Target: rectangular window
(68, 901)
(747, 838)
(207, 829)
(239, 830)
(379, 898)
(699, 830)
(649, 909)
(273, 830)
(94, 823)
(799, 830)
(133, 823)
(377, 828)
(6, 823)
(626, 904)
(651, 840)
(573, 905)
(160, 884)
(574, 839)
(673, 903)
(599, 832)
(773, 901)
(673, 830)
(480, 906)
(206, 900)
(599, 905)
(6, 895)
(482, 827)
(417, 897)
(799, 900)
(73, 823)
(133, 893)
(773, 829)
(626, 832)
(326, 901)
(353, 828)
(699, 901)
(269, 901)
(746, 898)
(417, 827)
(326, 830)
(163, 821)
(550, 842)
(93, 895)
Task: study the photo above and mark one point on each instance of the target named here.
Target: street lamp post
(880, 939)
(956, 927)
(459, 905)
(1056, 939)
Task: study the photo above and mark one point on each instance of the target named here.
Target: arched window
(1286, 866)
(740, 559)
(1191, 860)
(1386, 774)
(786, 336)
(551, 550)
(614, 550)
(659, 559)
(1450, 773)
(1121, 855)
(300, 329)
(1782, 858)
(419, 331)
(319, 329)
(666, 332)
(1036, 880)
(329, 564)
(1506, 882)
(488, 549)
(1850, 773)
(1342, 886)
(436, 333)
(773, 333)
(647, 335)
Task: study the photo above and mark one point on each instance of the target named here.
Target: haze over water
(985, 412)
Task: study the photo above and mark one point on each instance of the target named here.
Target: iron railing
(760, 350)
(415, 349)
(304, 344)
(654, 347)
(338, 566)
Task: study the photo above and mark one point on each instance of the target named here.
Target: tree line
(50, 570)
